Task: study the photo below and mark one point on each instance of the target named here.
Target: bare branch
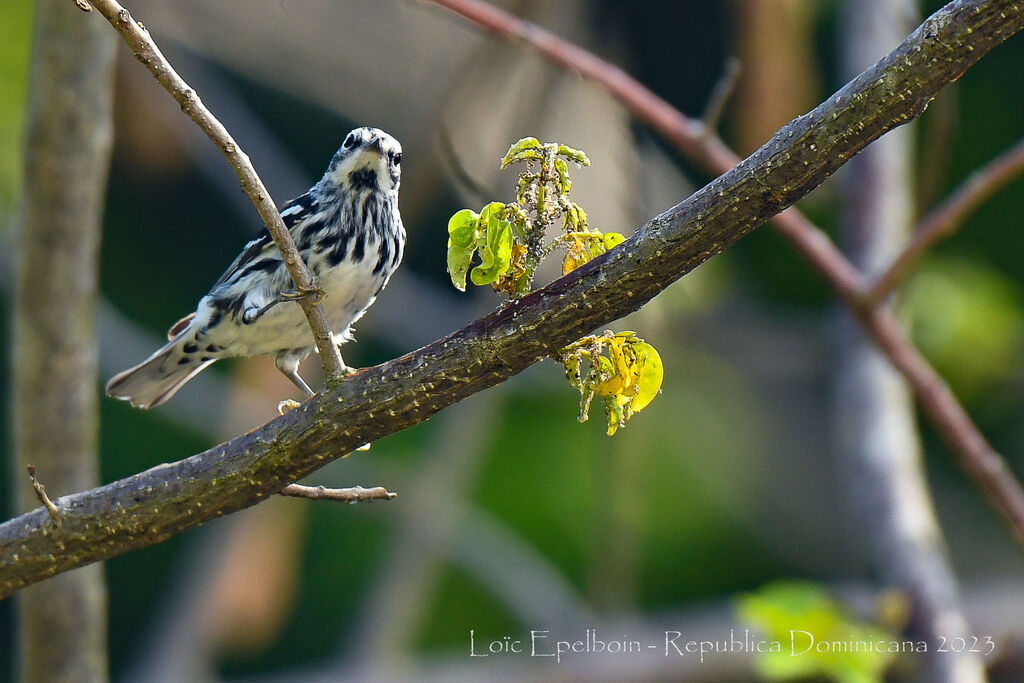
(354, 494)
(82, 5)
(146, 51)
(960, 434)
(152, 506)
(946, 218)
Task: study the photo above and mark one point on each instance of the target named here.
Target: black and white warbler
(349, 232)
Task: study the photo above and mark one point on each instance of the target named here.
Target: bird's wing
(251, 252)
(292, 212)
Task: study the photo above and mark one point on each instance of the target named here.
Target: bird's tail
(157, 378)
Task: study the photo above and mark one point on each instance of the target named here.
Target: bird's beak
(376, 143)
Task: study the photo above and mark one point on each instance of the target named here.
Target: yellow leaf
(651, 375)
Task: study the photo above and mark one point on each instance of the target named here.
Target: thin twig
(147, 52)
(354, 494)
(947, 217)
(41, 495)
(959, 432)
(82, 5)
(720, 94)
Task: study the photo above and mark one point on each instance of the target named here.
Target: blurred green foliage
(802, 617)
(15, 41)
(968, 319)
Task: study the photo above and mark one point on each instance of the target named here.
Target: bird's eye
(396, 158)
(350, 141)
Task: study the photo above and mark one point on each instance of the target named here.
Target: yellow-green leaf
(462, 228)
(459, 259)
(651, 375)
(496, 255)
(563, 175)
(525, 149)
(612, 240)
(574, 155)
(614, 409)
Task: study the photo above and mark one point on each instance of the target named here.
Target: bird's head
(368, 160)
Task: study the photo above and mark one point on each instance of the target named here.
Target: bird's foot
(314, 292)
(286, 405)
(253, 314)
(364, 447)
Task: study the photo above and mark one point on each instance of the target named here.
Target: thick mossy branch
(153, 505)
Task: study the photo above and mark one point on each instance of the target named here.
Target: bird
(348, 230)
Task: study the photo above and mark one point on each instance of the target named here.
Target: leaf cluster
(508, 242)
(621, 368)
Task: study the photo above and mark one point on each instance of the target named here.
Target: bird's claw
(286, 405)
(364, 447)
(314, 292)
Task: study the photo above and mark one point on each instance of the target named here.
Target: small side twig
(720, 94)
(355, 494)
(41, 495)
(946, 218)
(82, 5)
(146, 51)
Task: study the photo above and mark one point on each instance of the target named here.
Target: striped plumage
(347, 228)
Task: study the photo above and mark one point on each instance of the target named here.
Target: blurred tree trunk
(779, 79)
(62, 622)
(878, 442)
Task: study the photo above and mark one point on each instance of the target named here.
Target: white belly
(349, 290)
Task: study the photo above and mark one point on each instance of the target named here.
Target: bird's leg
(345, 368)
(288, 363)
(293, 375)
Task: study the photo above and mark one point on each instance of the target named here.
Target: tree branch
(146, 51)
(974, 454)
(353, 494)
(945, 219)
(151, 506)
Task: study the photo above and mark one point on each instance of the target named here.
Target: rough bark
(878, 445)
(153, 505)
(69, 130)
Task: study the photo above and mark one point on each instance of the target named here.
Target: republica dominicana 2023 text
(541, 643)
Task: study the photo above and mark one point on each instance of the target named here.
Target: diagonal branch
(974, 454)
(146, 51)
(944, 219)
(152, 506)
